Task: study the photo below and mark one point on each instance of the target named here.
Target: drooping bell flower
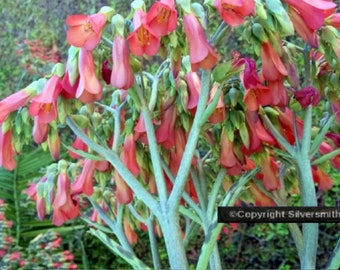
(201, 54)
(122, 76)
(85, 31)
(233, 12)
(40, 130)
(162, 17)
(278, 93)
(258, 96)
(273, 68)
(44, 104)
(124, 194)
(65, 207)
(260, 198)
(286, 125)
(89, 88)
(140, 130)
(323, 180)
(248, 75)
(130, 234)
(165, 134)
(142, 40)
(71, 76)
(7, 151)
(106, 72)
(194, 89)
(219, 113)
(313, 12)
(228, 158)
(270, 173)
(128, 155)
(308, 34)
(14, 102)
(326, 148)
(84, 182)
(307, 96)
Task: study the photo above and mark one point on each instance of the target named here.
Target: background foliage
(255, 246)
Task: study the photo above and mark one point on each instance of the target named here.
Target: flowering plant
(163, 122)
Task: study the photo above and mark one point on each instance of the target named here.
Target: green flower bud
(258, 32)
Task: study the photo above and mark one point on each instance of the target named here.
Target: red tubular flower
(130, 234)
(248, 75)
(257, 96)
(306, 96)
(219, 113)
(233, 12)
(309, 35)
(287, 128)
(269, 174)
(124, 194)
(89, 88)
(85, 30)
(162, 17)
(165, 134)
(7, 151)
(313, 12)
(129, 154)
(64, 206)
(194, 88)
(273, 68)
(333, 20)
(122, 76)
(79, 145)
(325, 148)
(142, 40)
(201, 53)
(44, 104)
(40, 130)
(84, 182)
(260, 198)
(323, 180)
(14, 102)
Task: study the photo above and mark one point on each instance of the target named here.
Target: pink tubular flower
(233, 12)
(142, 40)
(194, 88)
(201, 53)
(309, 35)
(333, 20)
(269, 174)
(14, 102)
(273, 68)
(122, 76)
(44, 104)
(84, 182)
(7, 151)
(165, 134)
(313, 12)
(129, 154)
(124, 193)
(162, 17)
(85, 30)
(306, 96)
(79, 145)
(89, 88)
(323, 180)
(40, 130)
(64, 206)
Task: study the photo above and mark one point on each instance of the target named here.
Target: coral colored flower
(194, 89)
(325, 148)
(79, 145)
(124, 194)
(40, 130)
(313, 12)
(106, 72)
(218, 114)
(278, 93)
(165, 134)
(259, 197)
(142, 40)
(269, 174)
(257, 96)
(85, 31)
(130, 234)
(89, 88)
(307, 96)
(272, 66)
(309, 35)
(162, 17)
(129, 154)
(64, 206)
(44, 104)
(333, 20)
(14, 102)
(69, 90)
(233, 12)
(287, 128)
(122, 76)
(323, 180)
(201, 53)
(84, 182)
(7, 151)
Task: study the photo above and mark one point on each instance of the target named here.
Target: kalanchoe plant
(169, 121)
